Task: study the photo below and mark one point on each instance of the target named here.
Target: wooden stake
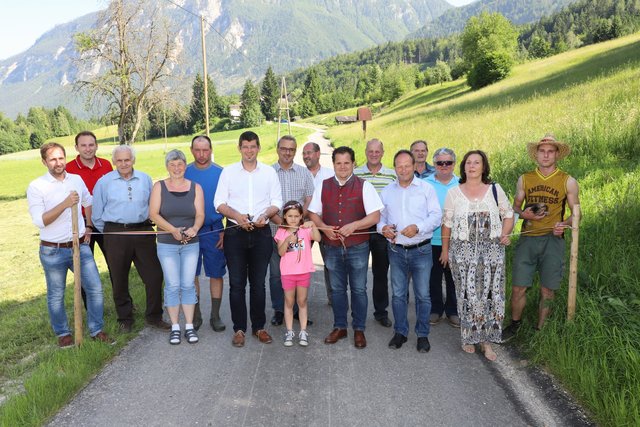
(573, 263)
(77, 295)
(204, 76)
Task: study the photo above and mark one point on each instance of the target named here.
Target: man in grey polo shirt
(296, 183)
(379, 176)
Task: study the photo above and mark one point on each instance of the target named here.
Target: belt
(59, 245)
(120, 225)
(417, 245)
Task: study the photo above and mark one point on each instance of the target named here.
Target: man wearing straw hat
(51, 198)
(546, 193)
(121, 210)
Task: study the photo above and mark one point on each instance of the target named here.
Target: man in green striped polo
(379, 176)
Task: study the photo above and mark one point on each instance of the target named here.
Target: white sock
(189, 326)
(175, 327)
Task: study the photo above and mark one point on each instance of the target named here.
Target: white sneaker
(288, 338)
(303, 338)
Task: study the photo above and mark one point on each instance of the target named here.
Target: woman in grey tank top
(177, 206)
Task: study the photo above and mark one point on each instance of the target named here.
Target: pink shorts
(291, 281)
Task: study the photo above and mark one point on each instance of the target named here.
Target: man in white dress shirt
(248, 194)
(411, 213)
(51, 198)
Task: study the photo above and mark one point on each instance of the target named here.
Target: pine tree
(270, 94)
(196, 109)
(250, 104)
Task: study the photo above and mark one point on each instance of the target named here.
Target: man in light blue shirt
(411, 213)
(120, 205)
(442, 181)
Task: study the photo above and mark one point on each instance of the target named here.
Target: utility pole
(283, 104)
(204, 76)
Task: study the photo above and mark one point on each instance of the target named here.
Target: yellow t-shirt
(546, 192)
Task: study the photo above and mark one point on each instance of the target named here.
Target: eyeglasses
(445, 163)
(287, 150)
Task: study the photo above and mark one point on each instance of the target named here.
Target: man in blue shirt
(206, 173)
(442, 181)
(121, 205)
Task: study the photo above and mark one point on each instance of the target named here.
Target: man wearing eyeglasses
(121, 205)
(296, 183)
(379, 176)
(442, 181)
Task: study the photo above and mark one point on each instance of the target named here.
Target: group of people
(421, 224)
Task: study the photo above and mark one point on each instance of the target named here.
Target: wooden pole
(573, 263)
(77, 285)
(204, 77)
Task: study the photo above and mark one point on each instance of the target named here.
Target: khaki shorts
(544, 254)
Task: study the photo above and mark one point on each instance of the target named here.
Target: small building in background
(234, 112)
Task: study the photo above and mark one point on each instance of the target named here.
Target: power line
(211, 27)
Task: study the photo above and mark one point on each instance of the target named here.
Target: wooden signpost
(573, 263)
(77, 295)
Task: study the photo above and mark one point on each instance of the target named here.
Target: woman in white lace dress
(477, 221)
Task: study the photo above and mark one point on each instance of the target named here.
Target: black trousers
(121, 251)
(380, 270)
(438, 304)
(247, 254)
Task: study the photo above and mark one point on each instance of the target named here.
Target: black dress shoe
(297, 317)
(277, 319)
(397, 340)
(423, 345)
(385, 322)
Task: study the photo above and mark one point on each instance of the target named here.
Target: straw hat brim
(563, 149)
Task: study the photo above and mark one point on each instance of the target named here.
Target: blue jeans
(348, 267)
(179, 263)
(415, 263)
(247, 254)
(56, 262)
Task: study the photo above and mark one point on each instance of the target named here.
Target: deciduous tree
(489, 46)
(124, 63)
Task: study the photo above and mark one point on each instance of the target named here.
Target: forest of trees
(40, 124)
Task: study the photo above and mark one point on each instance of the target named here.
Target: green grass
(589, 98)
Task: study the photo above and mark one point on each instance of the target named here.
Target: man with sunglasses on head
(121, 205)
(442, 181)
(296, 183)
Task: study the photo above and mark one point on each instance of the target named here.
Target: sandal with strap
(174, 337)
(191, 336)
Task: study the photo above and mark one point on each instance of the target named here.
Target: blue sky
(23, 21)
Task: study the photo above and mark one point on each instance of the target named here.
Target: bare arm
(518, 200)
(446, 236)
(326, 229)
(199, 218)
(572, 200)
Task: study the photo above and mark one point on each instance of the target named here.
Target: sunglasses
(291, 206)
(445, 163)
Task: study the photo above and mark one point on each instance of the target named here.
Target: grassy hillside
(588, 98)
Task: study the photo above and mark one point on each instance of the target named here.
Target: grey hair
(444, 151)
(174, 155)
(374, 141)
(123, 147)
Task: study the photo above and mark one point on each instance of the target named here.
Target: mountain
(285, 34)
(517, 11)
